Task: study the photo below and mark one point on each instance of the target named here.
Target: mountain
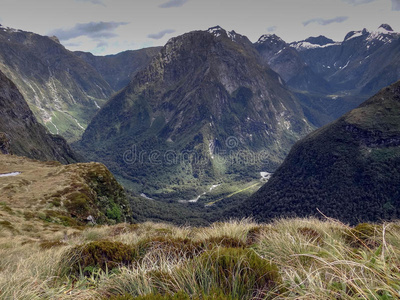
(349, 170)
(364, 62)
(287, 62)
(63, 91)
(331, 78)
(22, 134)
(119, 69)
(68, 195)
(204, 108)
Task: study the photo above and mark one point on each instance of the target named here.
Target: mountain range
(330, 78)
(64, 89)
(210, 108)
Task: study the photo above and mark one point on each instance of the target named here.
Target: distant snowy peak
(8, 29)
(219, 31)
(303, 45)
(216, 30)
(269, 38)
(384, 33)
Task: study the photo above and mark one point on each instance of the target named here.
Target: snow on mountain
(303, 45)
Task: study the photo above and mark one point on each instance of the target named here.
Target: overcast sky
(111, 26)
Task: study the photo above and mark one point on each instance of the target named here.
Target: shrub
(105, 255)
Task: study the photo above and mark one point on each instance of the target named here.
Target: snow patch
(10, 174)
(265, 176)
(145, 196)
(51, 121)
(301, 46)
(354, 35)
(78, 124)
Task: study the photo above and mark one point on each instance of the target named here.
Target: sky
(111, 26)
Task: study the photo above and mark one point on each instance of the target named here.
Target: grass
(286, 259)
(59, 194)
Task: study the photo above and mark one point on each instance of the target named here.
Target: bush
(105, 255)
(77, 204)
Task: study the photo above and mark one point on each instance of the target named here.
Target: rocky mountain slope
(205, 107)
(62, 194)
(287, 62)
(22, 134)
(349, 170)
(364, 62)
(119, 69)
(63, 91)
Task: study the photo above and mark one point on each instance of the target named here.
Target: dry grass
(313, 259)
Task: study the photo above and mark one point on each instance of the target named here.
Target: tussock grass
(286, 259)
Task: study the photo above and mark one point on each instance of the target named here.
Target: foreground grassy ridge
(287, 259)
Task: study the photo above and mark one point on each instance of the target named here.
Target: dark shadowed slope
(350, 169)
(21, 133)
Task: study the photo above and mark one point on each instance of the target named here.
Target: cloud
(271, 29)
(395, 4)
(102, 44)
(324, 22)
(173, 3)
(94, 30)
(160, 35)
(99, 2)
(358, 2)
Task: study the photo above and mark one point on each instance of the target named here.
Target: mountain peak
(386, 27)
(218, 31)
(269, 38)
(319, 40)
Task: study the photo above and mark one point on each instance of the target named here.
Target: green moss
(114, 212)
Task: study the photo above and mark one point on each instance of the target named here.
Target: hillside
(203, 107)
(63, 91)
(119, 69)
(21, 133)
(348, 170)
(62, 195)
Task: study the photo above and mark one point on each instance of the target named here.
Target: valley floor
(287, 259)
